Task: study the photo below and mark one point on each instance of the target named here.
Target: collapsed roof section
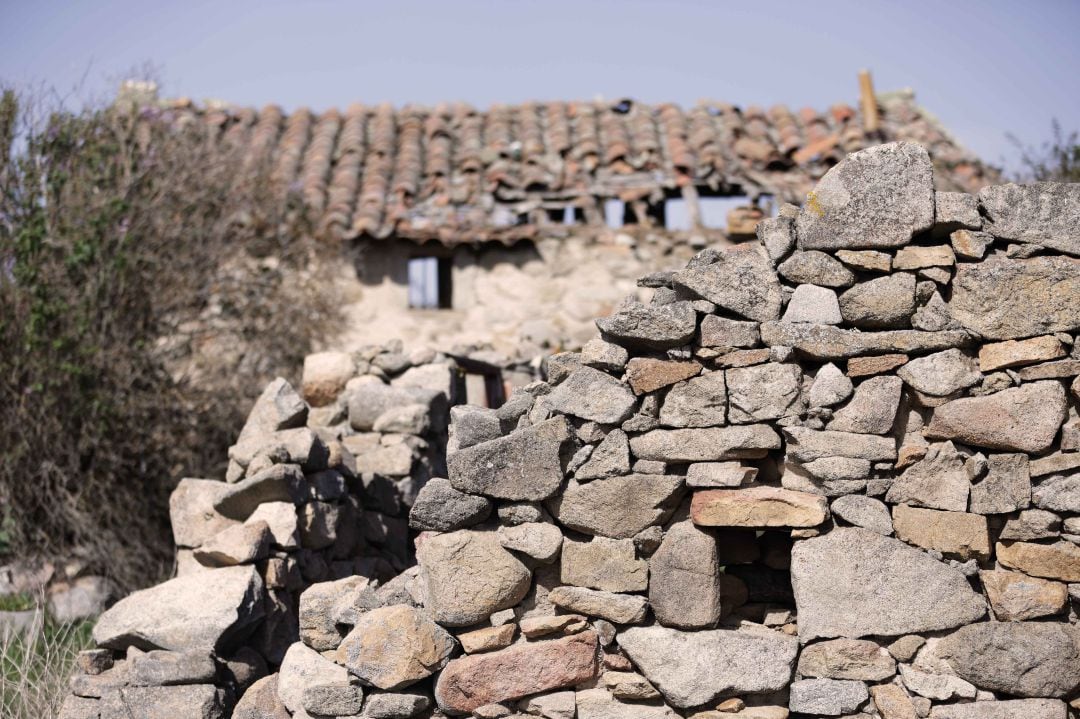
(455, 174)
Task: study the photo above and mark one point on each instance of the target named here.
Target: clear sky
(985, 68)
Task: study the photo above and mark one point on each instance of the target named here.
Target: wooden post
(868, 102)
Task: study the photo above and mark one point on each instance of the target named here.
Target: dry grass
(35, 665)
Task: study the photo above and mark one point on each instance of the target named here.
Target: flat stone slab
(204, 610)
(692, 668)
(710, 444)
(826, 342)
(1008, 709)
(758, 507)
(879, 197)
(854, 583)
(526, 464)
(1041, 213)
(1024, 419)
(473, 681)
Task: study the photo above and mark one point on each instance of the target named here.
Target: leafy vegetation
(151, 280)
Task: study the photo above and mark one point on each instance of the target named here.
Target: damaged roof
(453, 173)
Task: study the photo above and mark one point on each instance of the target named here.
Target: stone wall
(833, 474)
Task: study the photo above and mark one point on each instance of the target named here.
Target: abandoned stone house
(515, 227)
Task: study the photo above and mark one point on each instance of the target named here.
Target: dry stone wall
(836, 474)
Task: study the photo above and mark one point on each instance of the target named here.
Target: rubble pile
(833, 474)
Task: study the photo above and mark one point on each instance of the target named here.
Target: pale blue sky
(985, 68)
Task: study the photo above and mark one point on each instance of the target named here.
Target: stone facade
(743, 499)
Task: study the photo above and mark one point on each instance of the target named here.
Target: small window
(429, 283)
(615, 213)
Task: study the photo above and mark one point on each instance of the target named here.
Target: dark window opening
(430, 285)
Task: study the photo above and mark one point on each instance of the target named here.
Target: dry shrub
(151, 279)
(35, 664)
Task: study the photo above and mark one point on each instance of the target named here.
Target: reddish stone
(473, 681)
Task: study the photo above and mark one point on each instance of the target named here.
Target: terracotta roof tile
(455, 174)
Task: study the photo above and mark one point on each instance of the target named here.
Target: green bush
(1056, 160)
(132, 249)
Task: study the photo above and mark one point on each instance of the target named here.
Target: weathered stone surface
(881, 303)
(940, 686)
(332, 699)
(1060, 560)
(539, 540)
(1024, 659)
(863, 511)
(938, 481)
(651, 326)
(719, 331)
(1016, 597)
(955, 210)
(441, 508)
(941, 373)
(1024, 419)
(741, 280)
(1006, 487)
(684, 587)
(827, 697)
(395, 705)
(1040, 213)
(469, 576)
(830, 387)
(954, 534)
(763, 392)
(892, 702)
(1032, 524)
(368, 402)
(916, 257)
(815, 268)
(610, 458)
(970, 245)
(648, 374)
(525, 464)
(487, 639)
(692, 668)
(277, 483)
(241, 544)
(319, 609)
(199, 611)
(303, 667)
(1057, 494)
(601, 704)
(198, 701)
(1006, 709)
(1003, 299)
(604, 355)
(868, 260)
(874, 198)
(594, 395)
(697, 402)
(261, 701)
(806, 445)
(867, 366)
(712, 444)
(278, 407)
(617, 507)
(758, 507)
(281, 519)
(777, 235)
(1014, 353)
(393, 647)
(473, 681)
(817, 305)
(618, 608)
(325, 375)
(610, 565)
(719, 474)
(1050, 370)
(160, 668)
(853, 583)
(847, 659)
(872, 410)
(825, 342)
(835, 468)
(629, 685)
(191, 511)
